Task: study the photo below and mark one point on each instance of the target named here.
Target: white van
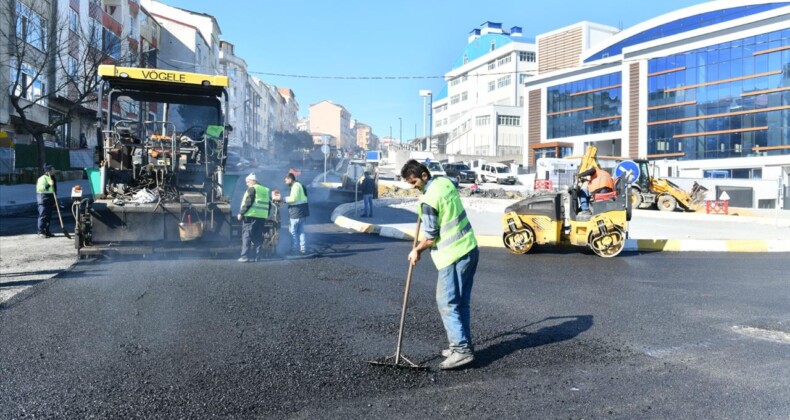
(496, 172)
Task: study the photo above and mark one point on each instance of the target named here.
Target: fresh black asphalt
(559, 334)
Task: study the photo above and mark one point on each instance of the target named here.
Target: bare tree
(52, 67)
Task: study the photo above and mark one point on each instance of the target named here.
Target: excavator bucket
(698, 194)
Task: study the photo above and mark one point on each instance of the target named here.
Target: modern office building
(704, 91)
(480, 109)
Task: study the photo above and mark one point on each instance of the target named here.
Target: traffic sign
(626, 166)
(325, 149)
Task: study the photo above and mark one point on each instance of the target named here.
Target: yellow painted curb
(658, 245)
(747, 246)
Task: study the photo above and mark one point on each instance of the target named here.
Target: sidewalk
(649, 230)
(21, 198)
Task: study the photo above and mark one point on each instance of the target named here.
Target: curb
(643, 245)
(28, 208)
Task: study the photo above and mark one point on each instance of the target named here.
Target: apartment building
(290, 109)
(57, 56)
(191, 40)
(704, 91)
(366, 140)
(332, 119)
(480, 109)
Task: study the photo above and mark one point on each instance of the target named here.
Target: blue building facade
(704, 90)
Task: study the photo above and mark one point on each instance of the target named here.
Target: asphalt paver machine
(160, 184)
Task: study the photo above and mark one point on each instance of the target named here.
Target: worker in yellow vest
(449, 235)
(298, 210)
(46, 191)
(254, 210)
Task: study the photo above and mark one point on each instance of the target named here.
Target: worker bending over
(449, 235)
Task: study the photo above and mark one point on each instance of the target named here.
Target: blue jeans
(584, 199)
(453, 295)
(368, 200)
(297, 235)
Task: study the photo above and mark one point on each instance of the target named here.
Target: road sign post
(325, 151)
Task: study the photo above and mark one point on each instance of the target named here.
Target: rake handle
(406, 293)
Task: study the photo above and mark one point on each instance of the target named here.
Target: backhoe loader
(649, 192)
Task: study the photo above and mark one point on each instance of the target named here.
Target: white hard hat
(252, 177)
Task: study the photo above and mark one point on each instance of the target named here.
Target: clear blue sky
(387, 38)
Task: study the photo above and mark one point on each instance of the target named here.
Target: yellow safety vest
(260, 206)
(456, 237)
(44, 185)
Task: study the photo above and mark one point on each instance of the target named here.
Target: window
(455, 81)
(96, 34)
(455, 99)
(527, 56)
(74, 21)
(466, 58)
(30, 26)
(492, 65)
(493, 46)
(521, 78)
(111, 44)
(72, 67)
(482, 120)
(509, 120)
(29, 84)
(491, 86)
(503, 60)
(503, 81)
(133, 27)
(464, 96)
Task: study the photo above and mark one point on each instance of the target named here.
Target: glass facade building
(684, 25)
(588, 106)
(725, 100)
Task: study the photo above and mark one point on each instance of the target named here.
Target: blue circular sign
(625, 166)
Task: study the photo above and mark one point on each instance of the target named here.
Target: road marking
(762, 334)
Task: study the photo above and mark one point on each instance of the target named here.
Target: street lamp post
(400, 133)
(425, 95)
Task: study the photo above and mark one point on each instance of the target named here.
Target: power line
(334, 77)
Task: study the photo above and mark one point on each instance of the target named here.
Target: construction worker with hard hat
(254, 210)
(46, 190)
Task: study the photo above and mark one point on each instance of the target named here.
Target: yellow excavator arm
(589, 160)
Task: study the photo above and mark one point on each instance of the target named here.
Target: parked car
(496, 172)
(436, 168)
(234, 162)
(460, 172)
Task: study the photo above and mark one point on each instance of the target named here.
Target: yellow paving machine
(554, 218)
(161, 181)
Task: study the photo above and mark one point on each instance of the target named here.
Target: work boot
(457, 360)
(446, 353)
(243, 259)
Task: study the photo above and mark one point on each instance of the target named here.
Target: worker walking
(367, 186)
(254, 210)
(298, 210)
(46, 193)
(449, 235)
